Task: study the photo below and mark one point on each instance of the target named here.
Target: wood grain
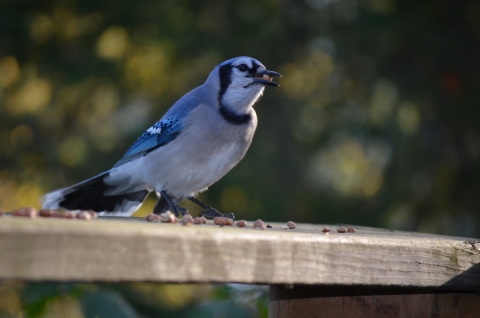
(330, 301)
(116, 250)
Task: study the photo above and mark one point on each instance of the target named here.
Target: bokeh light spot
(41, 28)
(14, 194)
(9, 71)
(384, 98)
(104, 135)
(113, 43)
(72, 151)
(349, 167)
(309, 78)
(401, 217)
(175, 295)
(408, 118)
(105, 99)
(233, 198)
(147, 68)
(381, 6)
(31, 98)
(21, 136)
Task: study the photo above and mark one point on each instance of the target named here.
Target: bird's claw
(181, 211)
(213, 213)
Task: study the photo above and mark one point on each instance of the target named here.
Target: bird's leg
(165, 203)
(210, 212)
(161, 206)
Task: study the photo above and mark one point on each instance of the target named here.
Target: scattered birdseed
(93, 214)
(259, 224)
(199, 220)
(187, 219)
(291, 225)
(28, 212)
(341, 229)
(222, 221)
(168, 217)
(152, 217)
(351, 230)
(47, 213)
(66, 214)
(326, 230)
(84, 215)
(242, 223)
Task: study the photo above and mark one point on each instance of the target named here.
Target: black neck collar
(233, 117)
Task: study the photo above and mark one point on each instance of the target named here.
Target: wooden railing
(311, 274)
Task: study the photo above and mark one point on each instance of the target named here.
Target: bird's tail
(90, 195)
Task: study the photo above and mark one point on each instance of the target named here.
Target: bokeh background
(376, 123)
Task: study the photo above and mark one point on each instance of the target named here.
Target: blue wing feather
(164, 131)
(156, 136)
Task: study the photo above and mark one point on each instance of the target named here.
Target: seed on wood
(66, 214)
(351, 230)
(47, 213)
(222, 221)
(326, 230)
(242, 223)
(93, 214)
(199, 220)
(258, 224)
(168, 217)
(269, 226)
(341, 229)
(187, 219)
(84, 215)
(218, 221)
(28, 212)
(152, 217)
(291, 225)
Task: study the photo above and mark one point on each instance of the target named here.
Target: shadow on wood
(469, 280)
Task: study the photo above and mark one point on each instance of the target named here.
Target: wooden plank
(334, 301)
(114, 251)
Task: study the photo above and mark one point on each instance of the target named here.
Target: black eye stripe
(244, 67)
(253, 69)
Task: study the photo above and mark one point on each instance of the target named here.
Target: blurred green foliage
(42, 300)
(376, 122)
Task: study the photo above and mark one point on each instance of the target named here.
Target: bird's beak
(265, 77)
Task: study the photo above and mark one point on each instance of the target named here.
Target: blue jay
(200, 138)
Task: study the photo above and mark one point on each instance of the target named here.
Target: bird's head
(242, 81)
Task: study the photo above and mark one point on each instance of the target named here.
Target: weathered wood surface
(115, 250)
(330, 301)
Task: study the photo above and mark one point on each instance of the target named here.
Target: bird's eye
(242, 67)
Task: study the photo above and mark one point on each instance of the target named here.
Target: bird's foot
(178, 211)
(181, 211)
(211, 213)
(165, 203)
